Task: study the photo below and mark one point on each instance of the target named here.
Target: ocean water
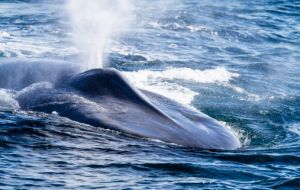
(237, 61)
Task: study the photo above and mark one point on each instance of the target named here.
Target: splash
(94, 24)
(219, 74)
(161, 83)
(7, 100)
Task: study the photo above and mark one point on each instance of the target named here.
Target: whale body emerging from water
(104, 98)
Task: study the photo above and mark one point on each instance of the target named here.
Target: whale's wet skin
(62, 127)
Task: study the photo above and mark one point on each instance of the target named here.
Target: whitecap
(162, 82)
(4, 34)
(295, 129)
(219, 74)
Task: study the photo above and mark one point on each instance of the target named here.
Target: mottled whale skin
(104, 98)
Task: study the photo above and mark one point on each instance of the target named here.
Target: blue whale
(105, 98)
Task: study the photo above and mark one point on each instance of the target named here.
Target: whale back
(149, 114)
(104, 98)
(108, 82)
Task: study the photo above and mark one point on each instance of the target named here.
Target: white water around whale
(162, 82)
(7, 100)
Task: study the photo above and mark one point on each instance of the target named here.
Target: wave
(219, 74)
(176, 26)
(163, 82)
(4, 34)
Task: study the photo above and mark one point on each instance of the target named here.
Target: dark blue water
(237, 61)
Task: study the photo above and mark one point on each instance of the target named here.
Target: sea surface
(237, 61)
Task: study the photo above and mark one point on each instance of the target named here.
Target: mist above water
(94, 24)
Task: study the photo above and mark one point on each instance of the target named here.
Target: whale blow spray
(94, 24)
